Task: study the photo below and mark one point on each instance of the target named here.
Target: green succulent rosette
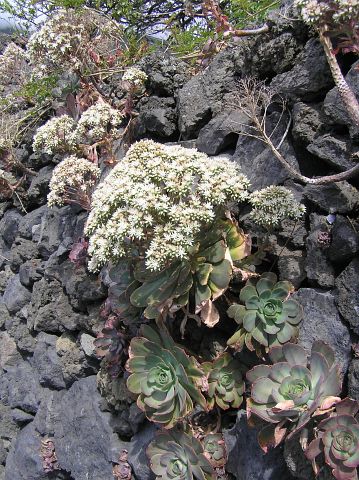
(215, 449)
(287, 393)
(268, 316)
(225, 383)
(201, 277)
(166, 380)
(174, 455)
(338, 439)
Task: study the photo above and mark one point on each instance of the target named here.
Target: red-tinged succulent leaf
(271, 436)
(209, 314)
(314, 449)
(78, 252)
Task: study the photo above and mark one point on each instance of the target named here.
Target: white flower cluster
(63, 135)
(135, 77)
(57, 135)
(157, 200)
(315, 12)
(274, 204)
(67, 40)
(72, 182)
(12, 64)
(97, 121)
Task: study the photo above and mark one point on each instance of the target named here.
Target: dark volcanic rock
(339, 197)
(246, 460)
(21, 251)
(16, 295)
(319, 269)
(47, 362)
(9, 356)
(306, 122)
(348, 294)
(84, 440)
(333, 150)
(333, 106)
(258, 162)
(9, 225)
(219, 133)
(137, 457)
(30, 221)
(345, 241)
(156, 116)
(353, 379)
(322, 321)
(309, 77)
(39, 187)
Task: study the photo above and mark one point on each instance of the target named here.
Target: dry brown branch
(254, 99)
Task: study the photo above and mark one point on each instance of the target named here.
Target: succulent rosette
(268, 316)
(338, 439)
(201, 277)
(225, 383)
(215, 449)
(174, 455)
(166, 380)
(288, 392)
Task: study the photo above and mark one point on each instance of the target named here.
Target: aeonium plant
(267, 316)
(166, 380)
(288, 393)
(337, 437)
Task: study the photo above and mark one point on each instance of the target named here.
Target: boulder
(16, 295)
(344, 242)
(9, 225)
(157, 116)
(347, 294)
(334, 150)
(321, 321)
(307, 122)
(338, 197)
(47, 363)
(9, 356)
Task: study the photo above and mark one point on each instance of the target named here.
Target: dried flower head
(274, 204)
(157, 200)
(57, 135)
(96, 122)
(72, 182)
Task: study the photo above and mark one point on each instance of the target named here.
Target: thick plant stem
(346, 94)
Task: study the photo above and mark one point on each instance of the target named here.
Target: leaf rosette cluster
(287, 393)
(268, 316)
(165, 378)
(174, 455)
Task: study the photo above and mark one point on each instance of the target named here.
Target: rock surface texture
(52, 386)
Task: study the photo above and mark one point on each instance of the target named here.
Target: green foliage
(225, 383)
(267, 317)
(215, 449)
(38, 90)
(187, 42)
(338, 439)
(204, 276)
(294, 388)
(244, 12)
(166, 380)
(174, 455)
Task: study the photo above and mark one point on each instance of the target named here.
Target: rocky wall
(51, 385)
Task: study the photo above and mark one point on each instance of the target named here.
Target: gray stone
(339, 197)
(137, 457)
(20, 388)
(31, 272)
(348, 294)
(317, 266)
(307, 122)
(166, 73)
(21, 417)
(5, 276)
(333, 150)
(353, 379)
(21, 251)
(309, 77)
(39, 186)
(156, 116)
(345, 241)
(321, 321)
(9, 356)
(246, 460)
(8, 427)
(87, 345)
(50, 310)
(333, 105)
(258, 162)
(16, 326)
(291, 266)
(16, 295)
(4, 314)
(202, 96)
(9, 225)
(73, 361)
(47, 363)
(220, 132)
(29, 221)
(28, 464)
(84, 440)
